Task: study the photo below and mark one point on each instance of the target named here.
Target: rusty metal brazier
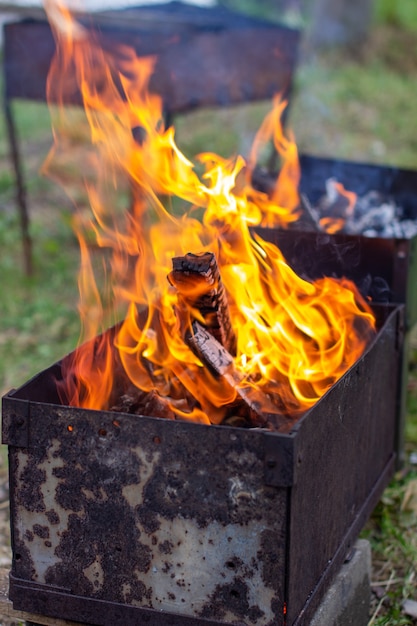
(119, 519)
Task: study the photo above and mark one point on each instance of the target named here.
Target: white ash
(372, 215)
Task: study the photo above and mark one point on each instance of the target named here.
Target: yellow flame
(294, 338)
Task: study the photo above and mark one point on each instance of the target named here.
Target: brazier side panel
(345, 453)
(216, 524)
(314, 255)
(149, 513)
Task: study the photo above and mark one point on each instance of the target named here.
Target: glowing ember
(294, 339)
(336, 193)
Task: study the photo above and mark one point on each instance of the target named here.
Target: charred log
(200, 288)
(259, 408)
(148, 403)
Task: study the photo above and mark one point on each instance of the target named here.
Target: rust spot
(23, 565)
(30, 493)
(166, 547)
(41, 531)
(234, 563)
(269, 556)
(234, 596)
(148, 519)
(52, 517)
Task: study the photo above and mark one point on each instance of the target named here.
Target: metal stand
(20, 188)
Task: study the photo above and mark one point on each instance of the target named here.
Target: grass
(342, 107)
(342, 112)
(39, 322)
(400, 14)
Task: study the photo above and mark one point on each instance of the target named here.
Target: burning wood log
(198, 282)
(136, 401)
(199, 285)
(197, 279)
(262, 412)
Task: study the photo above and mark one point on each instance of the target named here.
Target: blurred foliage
(340, 111)
(286, 11)
(402, 14)
(38, 322)
(38, 316)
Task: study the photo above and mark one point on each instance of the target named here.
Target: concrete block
(347, 601)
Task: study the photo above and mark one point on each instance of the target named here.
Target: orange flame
(294, 338)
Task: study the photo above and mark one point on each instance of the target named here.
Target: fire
(294, 338)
